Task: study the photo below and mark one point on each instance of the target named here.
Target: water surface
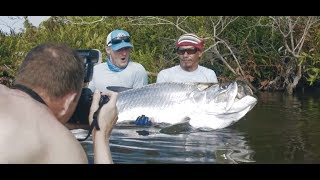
(279, 129)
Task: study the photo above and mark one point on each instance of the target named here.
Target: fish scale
(206, 105)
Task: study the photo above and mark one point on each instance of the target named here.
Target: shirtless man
(44, 96)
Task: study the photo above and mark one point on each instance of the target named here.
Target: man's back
(29, 132)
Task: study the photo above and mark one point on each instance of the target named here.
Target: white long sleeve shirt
(177, 74)
(133, 76)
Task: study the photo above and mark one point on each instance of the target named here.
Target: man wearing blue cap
(118, 70)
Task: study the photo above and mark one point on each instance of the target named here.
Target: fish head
(234, 98)
(224, 104)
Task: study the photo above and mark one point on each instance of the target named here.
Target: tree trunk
(292, 85)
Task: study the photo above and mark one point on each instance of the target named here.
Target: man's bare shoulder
(29, 133)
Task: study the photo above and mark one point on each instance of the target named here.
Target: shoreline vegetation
(8, 81)
(269, 53)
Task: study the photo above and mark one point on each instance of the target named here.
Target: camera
(90, 58)
(81, 114)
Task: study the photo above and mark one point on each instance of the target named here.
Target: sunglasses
(118, 40)
(189, 51)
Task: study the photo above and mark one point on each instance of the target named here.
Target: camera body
(90, 58)
(81, 114)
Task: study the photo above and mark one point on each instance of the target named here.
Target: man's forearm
(102, 154)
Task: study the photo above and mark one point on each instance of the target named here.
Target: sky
(16, 22)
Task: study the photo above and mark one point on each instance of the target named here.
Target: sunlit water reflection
(279, 129)
(131, 144)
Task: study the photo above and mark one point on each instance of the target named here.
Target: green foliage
(310, 58)
(257, 46)
(312, 63)
(9, 56)
(254, 41)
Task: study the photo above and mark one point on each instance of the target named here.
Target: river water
(279, 129)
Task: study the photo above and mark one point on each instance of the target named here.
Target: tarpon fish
(204, 105)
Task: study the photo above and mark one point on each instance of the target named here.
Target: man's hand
(108, 114)
(107, 118)
(143, 121)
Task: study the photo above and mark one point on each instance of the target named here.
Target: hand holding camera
(106, 114)
(90, 109)
(81, 114)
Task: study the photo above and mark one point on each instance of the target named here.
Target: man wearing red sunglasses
(118, 70)
(189, 49)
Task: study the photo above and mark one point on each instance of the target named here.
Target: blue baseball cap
(118, 39)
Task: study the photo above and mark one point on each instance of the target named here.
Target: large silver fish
(205, 105)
